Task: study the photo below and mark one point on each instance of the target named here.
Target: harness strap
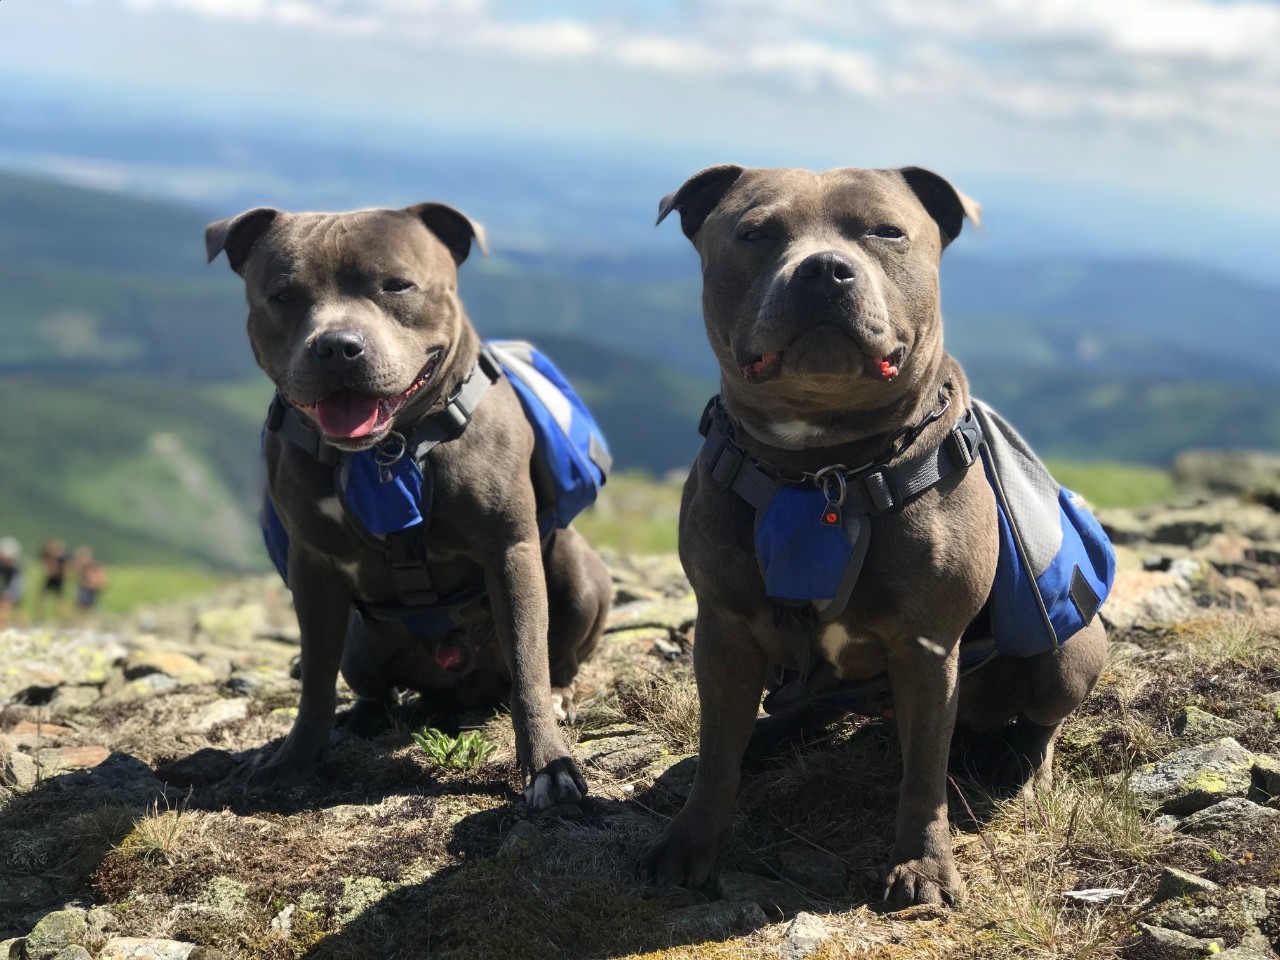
(874, 490)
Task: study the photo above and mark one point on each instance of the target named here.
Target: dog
(356, 319)
(821, 303)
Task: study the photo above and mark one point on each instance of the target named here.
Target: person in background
(92, 578)
(54, 561)
(12, 581)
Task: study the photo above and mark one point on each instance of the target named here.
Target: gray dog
(356, 319)
(821, 302)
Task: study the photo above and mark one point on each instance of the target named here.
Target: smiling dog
(842, 415)
(356, 319)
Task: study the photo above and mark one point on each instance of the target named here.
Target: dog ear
(452, 227)
(947, 205)
(237, 235)
(699, 195)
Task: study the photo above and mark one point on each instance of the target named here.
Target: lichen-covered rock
(1266, 776)
(1230, 817)
(522, 841)
(73, 952)
(186, 670)
(18, 770)
(1194, 777)
(805, 935)
(1176, 883)
(1225, 912)
(135, 948)
(1199, 726)
(218, 712)
(1174, 945)
(56, 930)
(11, 949)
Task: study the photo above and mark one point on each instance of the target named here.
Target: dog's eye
(888, 231)
(284, 296)
(396, 285)
(753, 235)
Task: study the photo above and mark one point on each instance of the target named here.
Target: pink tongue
(754, 369)
(348, 414)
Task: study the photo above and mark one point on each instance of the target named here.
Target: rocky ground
(125, 831)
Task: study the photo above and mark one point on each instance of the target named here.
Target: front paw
(563, 705)
(684, 856)
(926, 880)
(558, 782)
(287, 768)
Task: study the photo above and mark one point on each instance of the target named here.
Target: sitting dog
(449, 587)
(840, 410)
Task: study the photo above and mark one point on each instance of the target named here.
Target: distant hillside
(141, 402)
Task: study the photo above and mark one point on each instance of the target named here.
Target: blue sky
(1163, 114)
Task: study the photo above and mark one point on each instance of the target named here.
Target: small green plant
(465, 752)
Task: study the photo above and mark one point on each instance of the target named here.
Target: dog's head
(821, 289)
(352, 315)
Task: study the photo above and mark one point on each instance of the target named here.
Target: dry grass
(668, 705)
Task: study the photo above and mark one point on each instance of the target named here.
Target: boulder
(1193, 778)
(1198, 726)
(1231, 817)
(1266, 776)
(815, 870)
(1148, 598)
(805, 935)
(714, 921)
(1173, 945)
(186, 670)
(1175, 884)
(53, 932)
(135, 948)
(775, 898)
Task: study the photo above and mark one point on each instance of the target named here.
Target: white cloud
(1208, 68)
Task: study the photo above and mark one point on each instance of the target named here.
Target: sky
(1160, 117)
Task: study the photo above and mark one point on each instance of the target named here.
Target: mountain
(141, 404)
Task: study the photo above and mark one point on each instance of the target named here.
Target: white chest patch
(833, 639)
(795, 431)
(331, 508)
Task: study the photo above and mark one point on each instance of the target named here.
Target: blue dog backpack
(571, 458)
(1056, 563)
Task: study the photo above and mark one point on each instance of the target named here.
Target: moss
(224, 895)
(358, 895)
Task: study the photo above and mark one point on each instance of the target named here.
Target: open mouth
(348, 414)
(764, 366)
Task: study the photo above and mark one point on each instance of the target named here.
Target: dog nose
(826, 267)
(338, 347)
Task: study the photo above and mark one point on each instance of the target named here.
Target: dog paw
(915, 882)
(563, 705)
(557, 782)
(285, 770)
(684, 856)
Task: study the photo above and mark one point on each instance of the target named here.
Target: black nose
(826, 267)
(338, 347)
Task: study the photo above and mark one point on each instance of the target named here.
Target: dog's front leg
(731, 672)
(518, 597)
(323, 603)
(925, 694)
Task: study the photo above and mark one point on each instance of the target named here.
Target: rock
(815, 870)
(134, 948)
(62, 759)
(1147, 598)
(19, 770)
(714, 921)
(144, 688)
(673, 613)
(29, 733)
(1227, 471)
(100, 921)
(1266, 776)
(1221, 912)
(806, 934)
(232, 625)
(11, 949)
(619, 755)
(522, 841)
(74, 952)
(217, 712)
(1241, 594)
(1194, 777)
(282, 922)
(1177, 883)
(187, 671)
(775, 898)
(1244, 953)
(1233, 816)
(1173, 945)
(1197, 725)
(53, 932)
(73, 699)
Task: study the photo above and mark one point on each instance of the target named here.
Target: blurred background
(1119, 304)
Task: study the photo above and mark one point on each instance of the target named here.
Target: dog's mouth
(765, 366)
(348, 414)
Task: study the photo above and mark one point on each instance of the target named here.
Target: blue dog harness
(1055, 566)
(387, 492)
